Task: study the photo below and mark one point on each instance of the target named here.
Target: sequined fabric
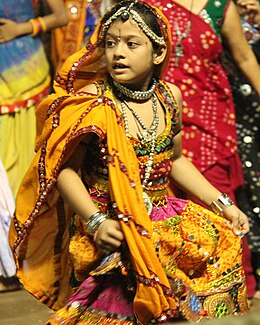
(197, 249)
(39, 232)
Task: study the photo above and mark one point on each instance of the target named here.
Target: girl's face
(129, 54)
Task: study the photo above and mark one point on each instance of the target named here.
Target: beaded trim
(137, 18)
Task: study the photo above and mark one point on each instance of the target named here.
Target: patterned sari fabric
(209, 130)
(181, 261)
(24, 82)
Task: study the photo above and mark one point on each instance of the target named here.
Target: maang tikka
(124, 13)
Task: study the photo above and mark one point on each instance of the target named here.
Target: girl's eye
(132, 44)
(110, 43)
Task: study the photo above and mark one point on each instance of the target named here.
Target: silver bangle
(223, 201)
(95, 221)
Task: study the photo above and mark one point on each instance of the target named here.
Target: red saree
(209, 131)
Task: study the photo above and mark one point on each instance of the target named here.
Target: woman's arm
(10, 29)
(187, 177)
(109, 235)
(240, 50)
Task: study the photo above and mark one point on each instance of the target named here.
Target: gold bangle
(216, 208)
(35, 27)
(222, 202)
(43, 24)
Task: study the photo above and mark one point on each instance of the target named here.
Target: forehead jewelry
(124, 13)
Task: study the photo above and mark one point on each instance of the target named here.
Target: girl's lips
(119, 66)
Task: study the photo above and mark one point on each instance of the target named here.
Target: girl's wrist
(223, 201)
(94, 221)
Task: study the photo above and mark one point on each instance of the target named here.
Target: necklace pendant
(178, 53)
(179, 50)
(145, 137)
(148, 203)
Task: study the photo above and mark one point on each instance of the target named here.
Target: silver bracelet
(223, 201)
(95, 221)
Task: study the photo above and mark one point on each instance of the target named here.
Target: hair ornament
(155, 38)
(124, 13)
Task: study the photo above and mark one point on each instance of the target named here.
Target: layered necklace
(178, 48)
(145, 134)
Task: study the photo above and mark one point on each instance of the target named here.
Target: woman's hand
(109, 236)
(238, 219)
(8, 30)
(251, 7)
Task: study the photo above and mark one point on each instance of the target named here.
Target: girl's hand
(238, 219)
(8, 30)
(109, 236)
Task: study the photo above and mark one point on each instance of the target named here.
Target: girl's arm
(10, 29)
(109, 235)
(241, 52)
(187, 177)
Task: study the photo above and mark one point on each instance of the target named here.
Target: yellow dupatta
(39, 230)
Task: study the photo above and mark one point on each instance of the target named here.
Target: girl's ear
(159, 55)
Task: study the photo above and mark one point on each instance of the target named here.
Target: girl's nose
(119, 50)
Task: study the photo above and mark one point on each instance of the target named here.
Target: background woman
(24, 82)
(247, 105)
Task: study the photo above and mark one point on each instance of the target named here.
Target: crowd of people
(141, 202)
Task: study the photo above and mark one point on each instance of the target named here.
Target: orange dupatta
(39, 229)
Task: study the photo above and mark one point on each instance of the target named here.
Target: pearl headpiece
(125, 13)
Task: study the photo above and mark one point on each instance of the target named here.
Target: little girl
(94, 228)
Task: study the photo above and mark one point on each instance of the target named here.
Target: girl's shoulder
(173, 91)
(95, 88)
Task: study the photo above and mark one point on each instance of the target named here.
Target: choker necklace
(178, 48)
(136, 95)
(147, 135)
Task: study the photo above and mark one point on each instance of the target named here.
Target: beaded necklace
(146, 136)
(135, 95)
